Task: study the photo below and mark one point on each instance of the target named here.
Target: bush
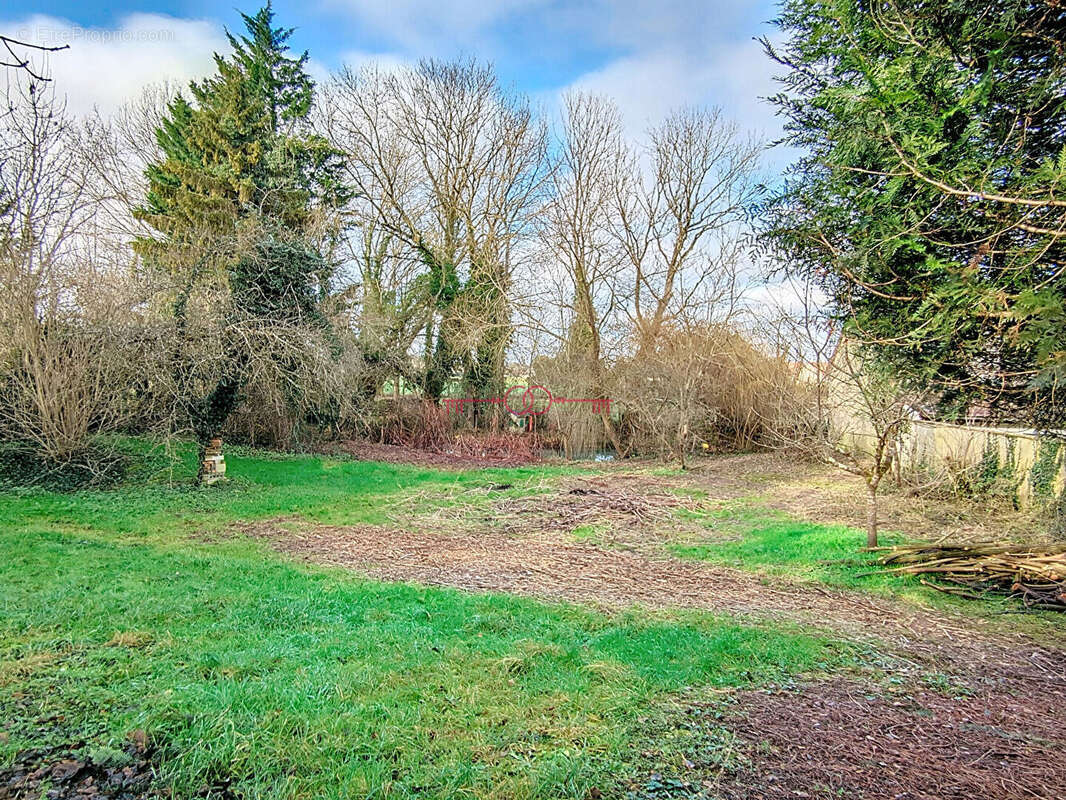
(300, 387)
(94, 466)
(411, 422)
(704, 387)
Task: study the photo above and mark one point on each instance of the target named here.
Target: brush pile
(1035, 575)
(495, 447)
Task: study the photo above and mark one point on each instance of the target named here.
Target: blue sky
(649, 55)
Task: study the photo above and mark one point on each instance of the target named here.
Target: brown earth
(842, 738)
(63, 772)
(1004, 736)
(553, 566)
(820, 493)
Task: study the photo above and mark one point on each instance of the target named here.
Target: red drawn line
(459, 403)
(599, 404)
(529, 398)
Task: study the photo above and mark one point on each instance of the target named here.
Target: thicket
(256, 258)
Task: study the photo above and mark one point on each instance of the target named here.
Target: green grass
(747, 535)
(301, 682)
(260, 485)
(592, 532)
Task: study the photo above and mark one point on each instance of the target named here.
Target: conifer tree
(232, 202)
(927, 198)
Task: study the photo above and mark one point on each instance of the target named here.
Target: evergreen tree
(928, 202)
(232, 202)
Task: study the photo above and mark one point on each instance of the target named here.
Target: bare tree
(14, 55)
(575, 231)
(449, 165)
(123, 145)
(387, 306)
(856, 412)
(677, 207)
(66, 304)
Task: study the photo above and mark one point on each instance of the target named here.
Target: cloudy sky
(650, 55)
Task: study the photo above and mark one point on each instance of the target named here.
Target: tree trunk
(871, 515)
(612, 435)
(682, 442)
(200, 459)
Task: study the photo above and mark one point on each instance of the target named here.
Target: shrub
(704, 387)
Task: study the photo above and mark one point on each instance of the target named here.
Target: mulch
(396, 454)
(554, 566)
(1001, 735)
(842, 738)
(70, 772)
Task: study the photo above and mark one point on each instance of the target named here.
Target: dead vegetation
(818, 493)
(841, 738)
(471, 449)
(624, 509)
(1037, 576)
(619, 501)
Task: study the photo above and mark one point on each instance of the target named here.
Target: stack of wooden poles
(1036, 575)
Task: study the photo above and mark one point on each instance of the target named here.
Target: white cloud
(659, 55)
(106, 67)
(387, 62)
(648, 85)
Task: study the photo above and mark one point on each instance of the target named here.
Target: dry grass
(819, 493)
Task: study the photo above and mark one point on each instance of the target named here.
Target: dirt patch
(66, 772)
(467, 459)
(623, 501)
(73, 772)
(807, 490)
(554, 566)
(820, 493)
(840, 738)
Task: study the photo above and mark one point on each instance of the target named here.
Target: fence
(1013, 459)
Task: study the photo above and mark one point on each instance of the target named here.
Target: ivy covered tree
(929, 202)
(450, 166)
(235, 204)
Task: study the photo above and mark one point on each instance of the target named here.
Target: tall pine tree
(927, 201)
(231, 204)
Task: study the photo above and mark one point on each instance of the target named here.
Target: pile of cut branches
(501, 447)
(1035, 575)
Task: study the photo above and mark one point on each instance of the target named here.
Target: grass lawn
(747, 535)
(294, 681)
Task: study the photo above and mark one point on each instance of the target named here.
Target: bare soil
(62, 772)
(842, 738)
(553, 566)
